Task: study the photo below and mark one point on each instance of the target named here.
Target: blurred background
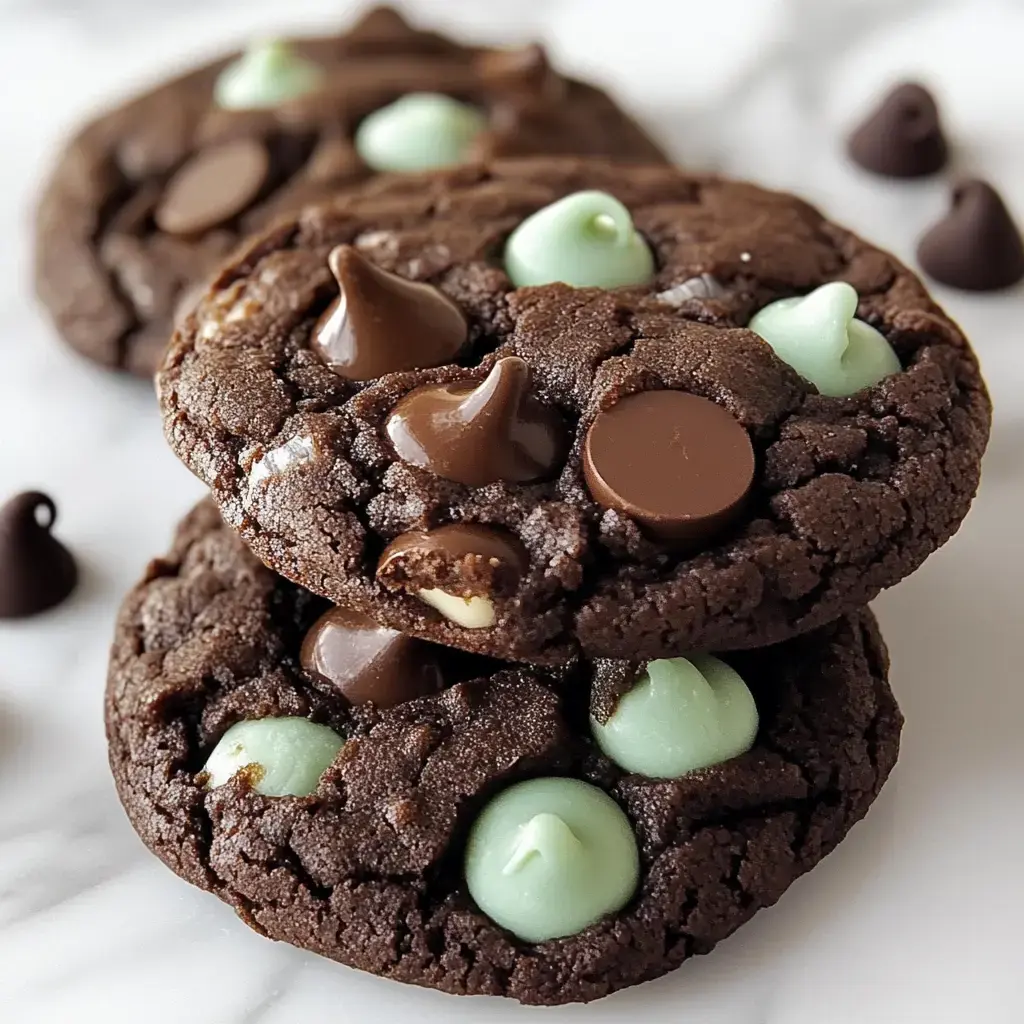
(914, 919)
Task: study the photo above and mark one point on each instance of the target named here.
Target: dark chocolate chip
(480, 433)
(381, 323)
(214, 187)
(36, 570)
(679, 465)
(976, 246)
(367, 663)
(467, 559)
(902, 138)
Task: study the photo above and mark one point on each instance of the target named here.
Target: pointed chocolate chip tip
(36, 571)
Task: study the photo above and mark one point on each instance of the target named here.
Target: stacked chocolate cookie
(522, 647)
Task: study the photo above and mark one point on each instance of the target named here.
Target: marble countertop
(914, 918)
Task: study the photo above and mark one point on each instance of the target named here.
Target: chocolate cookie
(743, 507)
(145, 201)
(384, 864)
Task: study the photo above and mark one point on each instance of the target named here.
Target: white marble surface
(914, 919)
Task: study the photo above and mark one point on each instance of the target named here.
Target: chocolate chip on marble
(477, 434)
(214, 187)
(36, 570)
(366, 663)
(902, 137)
(678, 464)
(976, 246)
(381, 323)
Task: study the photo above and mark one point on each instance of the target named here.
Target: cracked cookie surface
(850, 494)
(114, 283)
(367, 870)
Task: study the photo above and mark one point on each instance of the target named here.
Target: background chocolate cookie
(368, 868)
(146, 200)
(832, 418)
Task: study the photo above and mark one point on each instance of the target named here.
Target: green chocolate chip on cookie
(682, 714)
(586, 240)
(820, 337)
(550, 857)
(419, 132)
(287, 755)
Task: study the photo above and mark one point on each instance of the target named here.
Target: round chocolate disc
(678, 464)
(367, 663)
(213, 187)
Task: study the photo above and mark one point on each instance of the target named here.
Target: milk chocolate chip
(381, 323)
(367, 663)
(479, 433)
(678, 464)
(213, 187)
(456, 569)
(36, 570)
(903, 137)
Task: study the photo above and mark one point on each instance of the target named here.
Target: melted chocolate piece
(976, 246)
(36, 570)
(678, 464)
(214, 187)
(381, 323)
(903, 137)
(367, 663)
(477, 434)
(467, 559)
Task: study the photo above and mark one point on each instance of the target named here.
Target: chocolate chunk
(367, 663)
(902, 138)
(214, 187)
(467, 559)
(976, 246)
(381, 323)
(36, 570)
(678, 464)
(478, 434)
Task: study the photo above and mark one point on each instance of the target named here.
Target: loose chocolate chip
(678, 464)
(478, 434)
(367, 663)
(214, 187)
(902, 138)
(380, 323)
(36, 570)
(976, 246)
